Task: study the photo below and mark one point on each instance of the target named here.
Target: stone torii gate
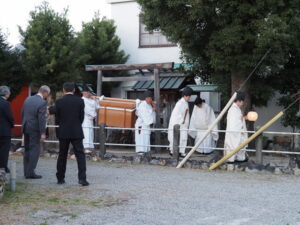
(151, 67)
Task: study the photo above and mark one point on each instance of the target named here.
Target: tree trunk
(237, 78)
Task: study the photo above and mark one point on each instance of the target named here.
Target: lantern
(252, 116)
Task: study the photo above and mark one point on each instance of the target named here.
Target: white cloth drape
(235, 122)
(146, 117)
(180, 115)
(202, 118)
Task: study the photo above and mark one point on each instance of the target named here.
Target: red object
(16, 106)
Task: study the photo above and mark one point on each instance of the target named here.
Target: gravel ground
(139, 194)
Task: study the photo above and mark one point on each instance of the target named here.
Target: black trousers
(5, 143)
(32, 146)
(63, 154)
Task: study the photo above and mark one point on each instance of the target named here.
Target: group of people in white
(194, 125)
(201, 119)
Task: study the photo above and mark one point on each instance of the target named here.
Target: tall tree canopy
(225, 39)
(97, 43)
(49, 42)
(11, 71)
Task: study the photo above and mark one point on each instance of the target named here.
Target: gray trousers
(32, 153)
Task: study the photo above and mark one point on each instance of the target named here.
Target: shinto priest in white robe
(180, 115)
(235, 122)
(202, 118)
(90, 113)
(146, 117)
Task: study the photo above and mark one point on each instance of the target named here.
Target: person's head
(4, 92)
(69, 87)
(86, 92)
(240, 98)
(44, 91)
(186, 93)
(148, 97)
(198, 102)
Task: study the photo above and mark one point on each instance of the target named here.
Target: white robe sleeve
(211, 120)
(235, 122)
(192, 123)
(146, 114)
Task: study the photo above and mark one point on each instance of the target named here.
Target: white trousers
(88, 141)
(207, 145)
(142, 138)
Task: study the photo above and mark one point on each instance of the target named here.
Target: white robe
(202, 118)
(146, 117)
(180, 115)
(235, 122)
(90, 113)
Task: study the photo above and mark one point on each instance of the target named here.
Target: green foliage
(49, 42)
(97, 43)
(225, 39)
(11, 71)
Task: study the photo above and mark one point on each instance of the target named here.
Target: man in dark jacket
(69, 115)
(6, 124)
(34, 129)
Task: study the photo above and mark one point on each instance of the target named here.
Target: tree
(49, 42)
(11, 71)
(225, 39)
(97, 43)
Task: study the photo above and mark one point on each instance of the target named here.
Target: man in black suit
(6, 124)
(34, 129)
(69, 115)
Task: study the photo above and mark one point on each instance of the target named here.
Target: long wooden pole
(253, 136)
(99, 83)
(208, 131)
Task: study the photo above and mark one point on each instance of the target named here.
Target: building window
(153, 39)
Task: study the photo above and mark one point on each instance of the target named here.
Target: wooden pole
(208, 131)
(157, 100)
(102, 140)
(176, 141)
(99, 83)
(252, 137)
(13, 176)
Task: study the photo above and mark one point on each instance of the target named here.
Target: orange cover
(117, 112)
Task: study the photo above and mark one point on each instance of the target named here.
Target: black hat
(85, 88)
(240, 96)
(187, 91)
(198, 101)
(148, 94)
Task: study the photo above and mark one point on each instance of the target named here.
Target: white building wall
(126, 16)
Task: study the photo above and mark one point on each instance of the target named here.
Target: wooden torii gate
(152, 67)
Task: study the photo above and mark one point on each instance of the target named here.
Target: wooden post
(176, 141)
(157, 100)
(259, 146)
(13, 176)
(99, 83)
(102, 140)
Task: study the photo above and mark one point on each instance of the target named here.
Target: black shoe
(7, 170)
(35, 176)
(84, 183)
(61, 182)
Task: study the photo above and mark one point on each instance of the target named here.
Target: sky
(14, 13)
